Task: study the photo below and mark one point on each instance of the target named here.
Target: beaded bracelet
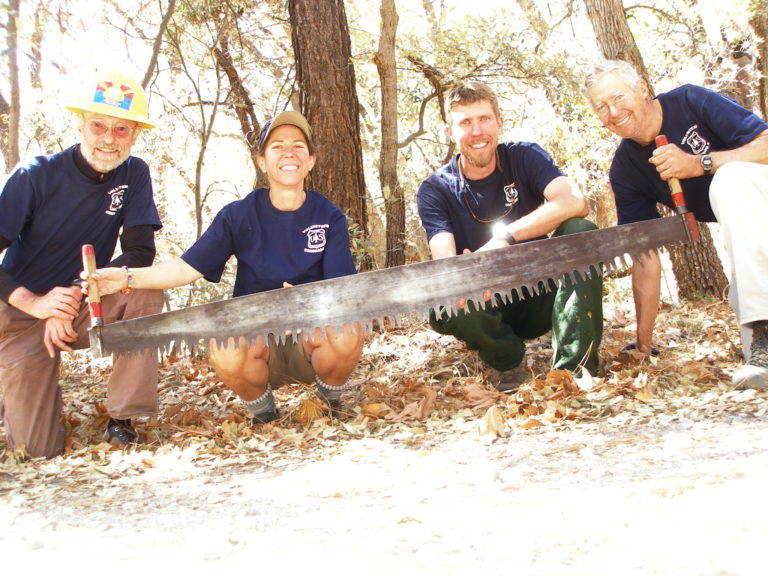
(129, 285)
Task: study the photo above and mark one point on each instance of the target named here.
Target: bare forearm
(442, 245)
(755, 151)
(22, 299)
(169, 274)
(61, 302)
(564, 201)
(646, 289)
(546, 218)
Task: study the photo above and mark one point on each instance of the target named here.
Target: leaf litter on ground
(413, 387)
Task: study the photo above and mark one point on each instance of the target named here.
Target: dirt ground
(674, 497)
(654, 468)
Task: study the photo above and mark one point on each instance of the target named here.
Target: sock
(263, 404)
(327, 392)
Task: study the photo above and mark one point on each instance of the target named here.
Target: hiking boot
(335, 407)
(755, 373)
(264, 417)
(508, 380)
(749, 376)
(121, 432)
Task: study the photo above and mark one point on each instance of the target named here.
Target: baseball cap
(290, 118)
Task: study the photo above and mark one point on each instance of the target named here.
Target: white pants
(739, 198)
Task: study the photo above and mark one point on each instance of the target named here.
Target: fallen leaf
(427, 404)
(231, 429)
(492, 423)
(644, 395)
(479, 395)
(532, 423)
(309, 411)
(377, 410)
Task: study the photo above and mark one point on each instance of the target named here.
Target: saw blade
(401, 295)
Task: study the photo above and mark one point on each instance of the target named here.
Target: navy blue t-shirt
(49, 209)
(698, 120)
(515, 188)
(274, 246)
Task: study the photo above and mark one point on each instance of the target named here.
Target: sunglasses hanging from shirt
(467, 203)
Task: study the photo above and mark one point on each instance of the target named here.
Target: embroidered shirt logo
(510, 195)
(116, 202)
(695, 141)
(316, 238)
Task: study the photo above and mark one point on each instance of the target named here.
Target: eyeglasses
(119, 131)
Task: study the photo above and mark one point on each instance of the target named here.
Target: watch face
(706, 162)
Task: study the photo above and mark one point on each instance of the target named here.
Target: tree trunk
(157, 44)
(239, 98)
(328, 96)
(702, 272)
(14, 112)
(759, 23)
(613, 34)
(36, 48)
(394, 199)
(697, 268)
(5, 112)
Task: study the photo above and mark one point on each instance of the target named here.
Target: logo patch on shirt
(695, 141)
(116, 195)
(315, 238)
(510, 195)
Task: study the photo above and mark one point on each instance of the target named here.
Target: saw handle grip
(678, 198)
(94, 300)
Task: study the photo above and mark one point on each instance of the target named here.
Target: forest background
(370, 76)
(658, 467)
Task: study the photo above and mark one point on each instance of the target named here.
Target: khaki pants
(31, 404)
(739, 198)
(289, 363)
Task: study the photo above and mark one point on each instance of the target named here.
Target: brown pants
(31, 404)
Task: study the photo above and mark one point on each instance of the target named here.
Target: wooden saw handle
(678, 198)
(94, 300)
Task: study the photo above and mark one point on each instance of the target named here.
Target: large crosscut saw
(401, 294)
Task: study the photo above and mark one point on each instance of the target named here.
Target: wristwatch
(501, 232)
(706, 163)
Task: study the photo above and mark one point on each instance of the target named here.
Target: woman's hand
(108, 280)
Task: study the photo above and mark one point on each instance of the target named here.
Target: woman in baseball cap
(282, 235)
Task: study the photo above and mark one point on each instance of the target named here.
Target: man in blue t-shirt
(95, 193)
(719, 152)
(492, 195)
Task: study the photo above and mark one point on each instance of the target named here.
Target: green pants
(574, 312)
